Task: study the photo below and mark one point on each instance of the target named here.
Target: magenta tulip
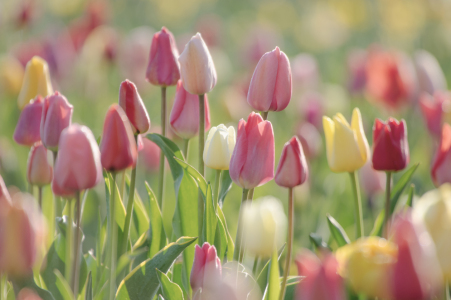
(132, 104)
(27, 129)
(292, 169)
(207, 270)
(39, 171)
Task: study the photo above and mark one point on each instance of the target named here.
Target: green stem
(447, 290)
(250, 197)
(69, 242)
(112, 234)
(40, 197)
(265, 115)
(289, 242)
(254, 268)
(56, 200)
(357, 205)
(163, 132)
(387, 204)
(76, 264)
(3, 287)
(200, 200)
(239, 232)
(217, 183)
(186, 148)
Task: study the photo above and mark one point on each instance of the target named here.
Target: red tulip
(207, 270)
(321, 279)
(434, 109)
(292, 169)
(163, 68)
(56, 116)
(390, 146)
(184, 118)
(27, 129)
(4, 194)
(118, 147)
(132, 104)
(270, 88)
(252, 162)
(78, 165)
(39, 171)
(441, 166)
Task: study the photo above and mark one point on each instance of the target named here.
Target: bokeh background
(91, 46)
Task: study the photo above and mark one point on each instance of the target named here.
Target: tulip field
(225, 150)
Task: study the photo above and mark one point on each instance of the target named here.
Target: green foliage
(337, 231)
(170, 290)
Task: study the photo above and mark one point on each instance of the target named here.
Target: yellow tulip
(36, 81)
(366, 264)
(347, 147)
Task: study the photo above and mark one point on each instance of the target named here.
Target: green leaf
(170, 289)
(142, 282)
(378, 224)
(63, 286)
(230, 243)
(140, 219)
(262, 278)
(292, 283)
(226, 185)
(317, 242)
(120, 209)
(220, 239)
(195, 174)
(400, 185)
(337, 231)
(28, 282)
(88, 294)
(158, 237)
(409, 202)
(209, 226)
(273, 290)
(92, 264)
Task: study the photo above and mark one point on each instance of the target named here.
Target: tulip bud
(163, 68)
(390, 146)
(184, 118)
(27, 129)
(430, 75)
(436, 110)
(321, 280)
(36, 81)
(197, 69)
(61, 192)
(149, 155)
(4, 194)
(118, 147)
(372, 181)
(206, 269)
(356, 68)
(264, 226)
(39, 171)
(132, 104)
(270, 88)
(441, 165)
(292, 169)
(311, 139)
(78, 165)
(219, 147)
(347, 147)
(252, 162)
(56, 116)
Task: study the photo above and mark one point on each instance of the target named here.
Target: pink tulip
(441, 165)
(39, 171)
(56, 116)
(372, 181)
(163, 68)
(434, 109)
(321, 279)
(252, 162)
(292, 169)
(430, 75)
(118, 147)
(132, 104)
(311, 139)
(270, 88)
(357, 60)
(184, 118)
(78, 165)
(149, 155)
(27, 129)
(4, 194)
(207, 270)
(305, 72)
(61, 192)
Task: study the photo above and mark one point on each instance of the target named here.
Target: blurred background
(379, 55)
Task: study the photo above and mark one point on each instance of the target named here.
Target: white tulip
(219, 147)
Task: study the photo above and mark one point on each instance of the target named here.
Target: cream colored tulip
(219, 147)
(36, 81)
(347, 146)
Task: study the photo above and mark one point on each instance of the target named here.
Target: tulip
(252, 162)
(149, 155)
(430, 75)
(356, 62)
(78, 166)
(118, 147)
(264, 226)
(321, 280)
(305, 72)
(61, 192)
(36, 81)
(206, 269)
(56, 116)
(441, 171)
(132, 104)
(4, 194)
(372, 181)
(39, 171)
(390, 147)
(292, 169)
(197, 69)
(27, 129)
(270, 88)
(436, 110)
(366, 264)
(219, 147)
(184, 118)
(347, 146)
(311, 139)
(163, 68)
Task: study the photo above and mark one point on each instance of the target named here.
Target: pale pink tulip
(39, 171)
(207, 270)
(430, 75)
(27, 129)
(292, 169)
(435, 109)
(132, 104)
(149, 155)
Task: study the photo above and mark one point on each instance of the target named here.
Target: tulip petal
(357, 127)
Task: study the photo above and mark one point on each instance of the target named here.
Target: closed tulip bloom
(149, 155)
(436, 110)
(56, 116)
(219, 147)
(347, 146)
(321, 280)
(207, 269)
(390, 146)
(132, 104)
(4, 194)
(118, 147)
(27, 130)
(61, 192)
(36, 81)
(197, 69)
(441, 165)
(78, 165)
(292, 169)
(184, 118)
(163, 68)
(252, 162)
(39, 171)
(372, 181)
(270, 88)
(430, 75)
